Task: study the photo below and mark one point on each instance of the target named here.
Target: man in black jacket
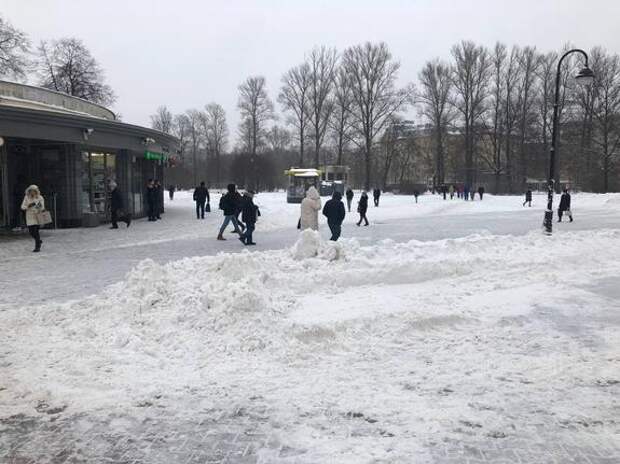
(151, 200)
(201, 196)
(116, 207)
(249, 215)
(376, 194)
(349, 195)
(230, 205)
(565, 206)
(335, 213)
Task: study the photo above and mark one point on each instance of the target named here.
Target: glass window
(86, 200)
(97, 171)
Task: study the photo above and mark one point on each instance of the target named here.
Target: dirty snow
(360, 351)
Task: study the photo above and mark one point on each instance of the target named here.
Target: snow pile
(398, 333)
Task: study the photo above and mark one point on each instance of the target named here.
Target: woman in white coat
(33, 204)
(310, 207)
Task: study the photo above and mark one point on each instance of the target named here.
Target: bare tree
(256, 110)
(340, 121)
(216, 134)
(14, 47)
(607, 113)
(470, 78)
(528, 64)
(546, 79)
(278, 139)
(162, 120)
(322, 64)
(293, 97)
(436, 87)
(373, 74)
(194, 119)
(180, 129)
(67, 66)
(498, 99)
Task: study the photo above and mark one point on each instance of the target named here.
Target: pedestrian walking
(151, 200)
(416, 194)
(310, 207)
(33, 205)
(481, 192)
(116, 207)
(239, 201)
(229, 204)
(528, 198)
(472, 195)
(565, 206)
(444, 191)
(171, 189)
(335, 213)
(376, 194)
(362, 208)
(201, 196)
(349, 196)
(451, 191)
(249, 214)
(466, 193)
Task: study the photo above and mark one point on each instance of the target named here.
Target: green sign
(152, 155)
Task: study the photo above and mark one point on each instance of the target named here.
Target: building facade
(72, 149)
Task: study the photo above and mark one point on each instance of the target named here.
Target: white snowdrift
(414, 335)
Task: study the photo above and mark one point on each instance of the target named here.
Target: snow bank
(323, 326)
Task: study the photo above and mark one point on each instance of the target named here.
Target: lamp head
(585, 76)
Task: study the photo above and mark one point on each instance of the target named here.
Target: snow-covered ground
(446, 331)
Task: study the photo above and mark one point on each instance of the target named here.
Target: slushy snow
(358, 352)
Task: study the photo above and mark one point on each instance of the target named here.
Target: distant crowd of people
(461, 191)
(241, 211)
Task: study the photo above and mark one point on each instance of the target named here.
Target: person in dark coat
(528, 198)
(116, 207)
(416, 194)
(239, 200)
(444, 191)
(362, 207)
(151, 200)
(565, 206)
(481, 192)
(466, 193)
(201, 196)
(171, 189)
(349, 196)
(376, 194)
(230, 206)
(249, 214)
(334, 212)
(159, 199)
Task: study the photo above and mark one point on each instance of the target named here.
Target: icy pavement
(92, 259)
(447, 349)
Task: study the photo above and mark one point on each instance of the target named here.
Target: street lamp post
(584, 76)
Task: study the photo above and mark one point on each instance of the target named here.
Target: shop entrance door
(97, 172)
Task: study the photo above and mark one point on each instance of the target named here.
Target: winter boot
(37, 246)
(219, 237)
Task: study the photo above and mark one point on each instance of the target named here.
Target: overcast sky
(186, 53)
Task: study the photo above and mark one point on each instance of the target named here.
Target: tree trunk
(368, 167)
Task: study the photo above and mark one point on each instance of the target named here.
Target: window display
(97, 171)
